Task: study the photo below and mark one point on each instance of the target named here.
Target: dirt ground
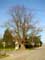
(36, 54)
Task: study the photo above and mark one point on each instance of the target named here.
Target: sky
(37, 6)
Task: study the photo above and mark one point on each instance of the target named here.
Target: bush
(36, 42)
(1, 45)
(10, 45)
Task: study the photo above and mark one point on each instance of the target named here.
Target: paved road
(36, 54)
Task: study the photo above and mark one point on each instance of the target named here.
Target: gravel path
(36, 54)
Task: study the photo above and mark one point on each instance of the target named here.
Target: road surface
(36, 54)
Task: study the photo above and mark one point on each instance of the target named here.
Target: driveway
(36, 54)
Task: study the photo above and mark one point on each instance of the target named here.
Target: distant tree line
(10, 43)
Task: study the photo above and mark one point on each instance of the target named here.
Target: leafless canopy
(23, 22)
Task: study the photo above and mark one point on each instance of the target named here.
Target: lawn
(3, 56)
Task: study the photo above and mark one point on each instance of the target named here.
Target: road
(36, 54)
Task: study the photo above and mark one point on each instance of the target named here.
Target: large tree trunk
(22, 47)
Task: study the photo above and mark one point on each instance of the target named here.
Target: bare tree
(23, 24)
